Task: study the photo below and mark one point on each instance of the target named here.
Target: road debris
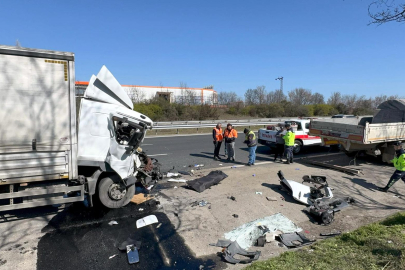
(177, 180)
(233, 167)
(112, 222)
(169, 174)
(293, 240)
(247, 234)
(141, 198)
(146, 221)
(184, 173)
(175, 187)
(201, 184)
(271, 199)
(235, 215)
(199, 203)
(259, 193)
(158, 226)
(253, 175)
(140, 209)
(330, 234)
(112, 256)
(232, 198)
(232, 248)
(132, 254)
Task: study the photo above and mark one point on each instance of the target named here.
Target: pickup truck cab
(301, 130)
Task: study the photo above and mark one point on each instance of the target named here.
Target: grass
(376, 246)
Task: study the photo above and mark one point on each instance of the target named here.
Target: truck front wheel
(297, 146)
(113, 193)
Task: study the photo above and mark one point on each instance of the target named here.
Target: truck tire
(297, 146)
(113, 193)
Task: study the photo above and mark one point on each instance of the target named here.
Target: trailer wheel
(113, 193)
(297, 146)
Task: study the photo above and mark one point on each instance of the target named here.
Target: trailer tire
(113, 193)
(297, 146)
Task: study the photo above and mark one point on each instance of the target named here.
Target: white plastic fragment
(146, 221)
(112, 256)
(140, 209)
(169, 174)
(177, 180)
(175, 186)
(259, 193)
(158, 226)
(113, 222)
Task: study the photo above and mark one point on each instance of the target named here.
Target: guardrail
(178, 125)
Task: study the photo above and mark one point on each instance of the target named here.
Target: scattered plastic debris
(112, 256)
(296, 239)
(113, 222)
(177, 180)
(220, 164)
(158, 226)
(235, 215)
(331, 233)
(232, 198)
(306, 231)
(175, 187)
(232, 248)
(169, 174)
(389, 241)
(233, 167)
(297, 169)
(184, 173)
(254, 175)
(140, 209)
(199, 203)
(247, 234)
(271, 199)
(259, 193)
(146, 221)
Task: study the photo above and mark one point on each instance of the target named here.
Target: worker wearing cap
(217, 136)
(280, 142)
(399, 164)
(230, 135)
(289, 139)
(250, 140)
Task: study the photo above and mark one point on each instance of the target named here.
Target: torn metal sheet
(247, 234)
(232, 248)
(146, 221)
(201, 184)
(293, 240)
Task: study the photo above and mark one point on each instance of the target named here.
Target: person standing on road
(280, 143)
(230, 135)
(399, 164)
(289, 139)
(250, 140)
(217, 136)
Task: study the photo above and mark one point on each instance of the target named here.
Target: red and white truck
(301, 130)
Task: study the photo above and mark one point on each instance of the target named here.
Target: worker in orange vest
(230, 135)
(217, 136)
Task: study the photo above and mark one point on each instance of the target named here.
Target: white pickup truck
(301, 130)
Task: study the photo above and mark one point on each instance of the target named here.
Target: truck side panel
(376, 133)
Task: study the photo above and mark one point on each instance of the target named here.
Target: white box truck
(46, 157)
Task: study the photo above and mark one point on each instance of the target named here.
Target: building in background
(181, 94)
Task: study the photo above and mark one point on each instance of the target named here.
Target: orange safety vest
(218, 134)
(230, 134)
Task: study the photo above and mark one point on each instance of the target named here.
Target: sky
(324, 46)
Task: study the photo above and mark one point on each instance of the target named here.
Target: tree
(188, 96)
(335, 99)
(136, 94)
(260, 94)
(300, 96)
(249, 97)
(228, 98)
(276, 96)
(317, 98)
(383, 11)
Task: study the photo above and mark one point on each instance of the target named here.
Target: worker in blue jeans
(250, 140)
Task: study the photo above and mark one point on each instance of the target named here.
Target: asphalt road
(182, 151)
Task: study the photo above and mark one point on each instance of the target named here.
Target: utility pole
(281, 82)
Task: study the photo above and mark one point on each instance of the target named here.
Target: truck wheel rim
(297, 148)
(117, 191)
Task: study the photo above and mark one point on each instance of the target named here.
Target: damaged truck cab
(110, 134)
(49, 154)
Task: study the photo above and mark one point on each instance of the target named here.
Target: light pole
(281, 82)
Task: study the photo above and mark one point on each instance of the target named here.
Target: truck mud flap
(50, 196)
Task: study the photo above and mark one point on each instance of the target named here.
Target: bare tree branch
(383, 11)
